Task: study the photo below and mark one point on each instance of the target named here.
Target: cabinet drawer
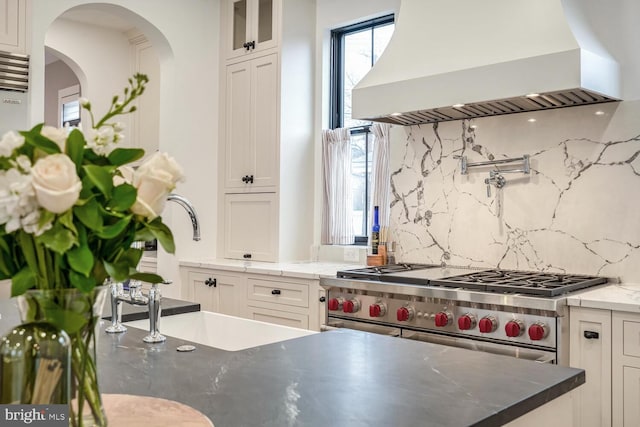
(279, 292)
(294, 320)
(631, 338)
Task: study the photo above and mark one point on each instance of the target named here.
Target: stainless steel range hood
(461, 59)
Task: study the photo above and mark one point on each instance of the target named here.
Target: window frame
(336, 113)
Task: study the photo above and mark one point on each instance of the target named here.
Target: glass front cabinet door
(252, 26)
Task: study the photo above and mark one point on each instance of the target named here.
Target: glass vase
(78, 314)
(35, 365)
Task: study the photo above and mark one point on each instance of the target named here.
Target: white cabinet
(250, 226)
(285, 301)
(626, 369)
(590, 349)
(13, 26)
(217, 291)
(252, 26)
(251, 108)
(267, 126)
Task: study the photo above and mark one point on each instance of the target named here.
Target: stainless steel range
(518, 313)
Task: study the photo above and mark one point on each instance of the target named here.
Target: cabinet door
(217, 292)
(251, 224)
(626, 369)
(251, 125)
(252, 26)
(285, 318)
(13, 23)
(590, 349)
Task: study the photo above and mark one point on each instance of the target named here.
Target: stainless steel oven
(515, 313)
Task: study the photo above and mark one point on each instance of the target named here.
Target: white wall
(186, 35)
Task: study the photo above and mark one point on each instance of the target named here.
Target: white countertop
(302, 269)
(619, 297)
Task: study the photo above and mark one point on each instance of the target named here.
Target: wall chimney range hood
(463, 59)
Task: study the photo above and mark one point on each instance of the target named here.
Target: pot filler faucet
(134, 296)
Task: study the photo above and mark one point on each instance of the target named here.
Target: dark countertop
(340, 377)
(168, 306)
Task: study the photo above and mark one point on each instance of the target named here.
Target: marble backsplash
(578, 211)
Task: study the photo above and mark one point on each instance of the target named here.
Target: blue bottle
(375, 232)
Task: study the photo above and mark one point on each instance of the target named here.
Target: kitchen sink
(222, 331)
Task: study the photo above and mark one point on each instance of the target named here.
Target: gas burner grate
(521, 282)
(374, 272)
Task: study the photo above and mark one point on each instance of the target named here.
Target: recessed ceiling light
(532, 95)
(474, 126)
(458, 105)
(599, 113)
(531, 120)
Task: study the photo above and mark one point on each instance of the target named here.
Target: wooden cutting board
(126, 410)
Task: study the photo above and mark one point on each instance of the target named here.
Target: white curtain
(380, 174)
(337, 223)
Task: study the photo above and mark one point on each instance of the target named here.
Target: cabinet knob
(211, 282)
(322, 299)
(275, 292)
(591, 335)
(247, 179)
(251, 45)
(246, 256)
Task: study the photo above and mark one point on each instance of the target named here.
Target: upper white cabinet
(251, 106)
(13, 26)
(253, 26)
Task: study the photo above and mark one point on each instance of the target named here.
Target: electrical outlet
(351, 254)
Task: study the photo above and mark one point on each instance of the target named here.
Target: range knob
(488, 324)
(377, 310)
(405, 314)
(514, 328)
(351, 306)
(466, 322)
(443, 318)
(335, 304)
(538, 331)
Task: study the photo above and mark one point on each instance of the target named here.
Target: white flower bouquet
(70, 208)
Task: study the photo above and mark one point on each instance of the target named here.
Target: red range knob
(442, 319)
(466, 322)
(488, 324)
(538, 331)
(377, 310)
(404, 314)
(514, 328)
(351, 306)
(334, 304)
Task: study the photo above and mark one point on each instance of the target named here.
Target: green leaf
(131, 256)
(89, 215)
(81, 260)
(163, 234)
(23, 280)
(147, 277)
(66, 219)
(26, 243)
(118, 271)
(85, 284)
(75, 147)
(57, 238)
(111, 231)
(101, 177)
(124, 196)
(37, 140)
(122, 156)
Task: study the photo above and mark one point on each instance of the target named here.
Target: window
(354, 51)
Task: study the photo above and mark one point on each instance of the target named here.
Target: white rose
(57, 135)
(56, 182)
(154, 180)
(127, 176)
(9, 142)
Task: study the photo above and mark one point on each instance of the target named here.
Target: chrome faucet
(135, 297)
(186, 204)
